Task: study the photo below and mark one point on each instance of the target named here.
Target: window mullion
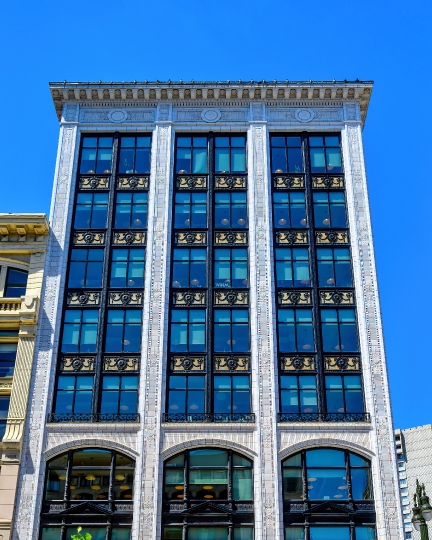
(210, 251)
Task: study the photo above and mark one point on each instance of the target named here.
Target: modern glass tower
(210, 363)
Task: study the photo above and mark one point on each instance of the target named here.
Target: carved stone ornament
(331, 237)
(129, 238)
(337, 297)
(298, 363)
(192, 182)
(327, 182)
(230, 182)
(291, 237)
(190, 238)
(90, 237)
(231, 238)
(342, 363)
(133, 182)
(94, 182)
(83, 298)
(304, 115)
(231, 363)
(117, 116)
(77, 363)
(187, 363)
(211, 115)
(231, 298)
(189, 298)
(289, 181)
(125, 298)
(121, 363)
(294, 297)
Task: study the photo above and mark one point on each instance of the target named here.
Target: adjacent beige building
(23, 243)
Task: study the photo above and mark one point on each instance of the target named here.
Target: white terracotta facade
(283, 108)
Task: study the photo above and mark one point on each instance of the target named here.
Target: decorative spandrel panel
(328, 182)
(192, 182)
(187, 363)
(231, 363)
(230, 182)
(133, 182)
(342, 363)
(292, 237)
(231, 298)
(129, 238)
(125, 298)
(230, 238)
(89, 238)
(94, 182)
(189, 238)
(289, 181)
(332, 237)
(189, 298)
(337, 297)
(77, 363)
(121, 363)
(298, 363)
(293, 298)
(83, 298)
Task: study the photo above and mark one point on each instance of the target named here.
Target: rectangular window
(231, 330)
(131, 211)
(190, 211)
(135, 155)
(123, 333)
(231, 268)
(361, 478)
(289, 210)
(325, 154)
(230, 211)
(4, 408)
(96, 155)
(334, 267)
(286, 155)
(80, 330)
(189, 268)
(325, 533)
(8, 353)
(231, 394)
(91, 211)
(119, 394)
(295, 330)
(85, 268)
(191, 155)
(329, 210)
(127, 268)
(188, 330)
(294, 533)
(292, 267)
(74, 394)
(339, 330)
(186, 394)
(298, 394)
(344, 394)
(230, 155)
(16, 283)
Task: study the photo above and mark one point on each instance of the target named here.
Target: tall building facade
(23, 244)
(210, 362)
(414, 459)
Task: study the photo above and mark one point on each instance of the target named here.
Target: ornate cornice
(228, 93)
(19, 227)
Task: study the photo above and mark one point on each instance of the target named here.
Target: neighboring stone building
(414, 457)
(23, 243)
(211, 363)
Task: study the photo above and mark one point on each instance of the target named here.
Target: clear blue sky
(123, 40)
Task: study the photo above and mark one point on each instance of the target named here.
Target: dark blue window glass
(325, 154)
(186, 394)
(4, 408)
(135, 155)
(8, 353)
(292, 267)
(16, 283)
(231, 394)
(131, 211)
(74, 394)
(334, 267)
(231, 330)
(85, 268)
(127, 268)
(295, 330)
(190, 211)
(231, 268)
(96, 155)
(339, 330)
(119, 394)
(289, 210)
(329, 210)
(91, 211)
(230, 155)
(123, 331)
(230, 211)
(286, 154)
(298, 394)
(188, 330)
(80, 330)
(191, 155)
(344, 394)
(189, 268)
